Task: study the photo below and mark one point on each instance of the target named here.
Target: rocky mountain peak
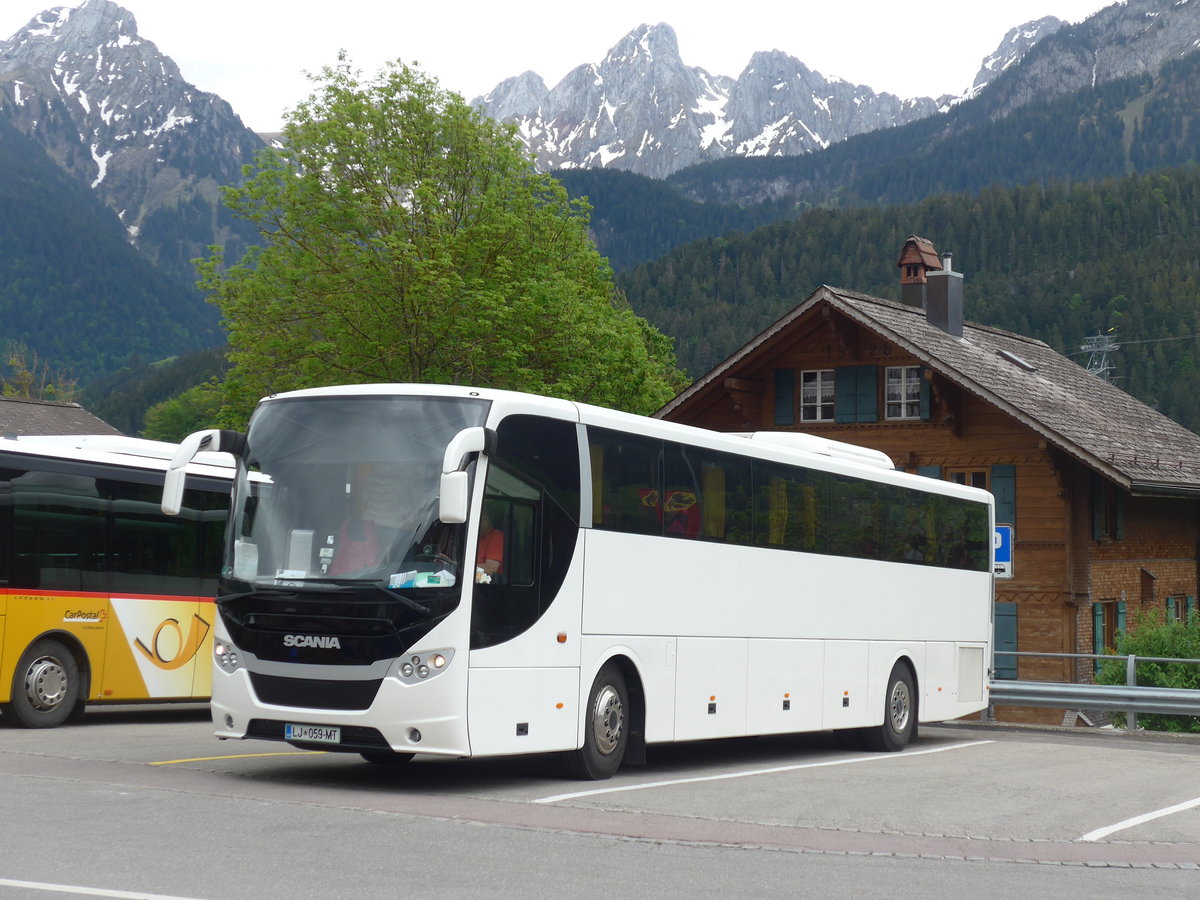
(641, 108)
(1013, 48)
(116, 113)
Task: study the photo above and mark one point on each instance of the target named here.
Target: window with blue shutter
(1108, 510)
(1004, 488)
(906, 393)
(1108, 620)
(856, 394)
(785, 397)
(1006, 639)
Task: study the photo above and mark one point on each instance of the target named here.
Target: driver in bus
(489, 558)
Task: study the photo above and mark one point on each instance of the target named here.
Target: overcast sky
(253, 53)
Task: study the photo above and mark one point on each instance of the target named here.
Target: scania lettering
(310, 640)
(102, 597)
(464, 572)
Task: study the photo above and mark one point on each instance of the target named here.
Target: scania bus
(654, 582)
(102, 597)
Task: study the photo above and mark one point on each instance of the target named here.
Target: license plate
(313, 734)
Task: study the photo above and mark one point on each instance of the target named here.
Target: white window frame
(814, 407)
(902, 398)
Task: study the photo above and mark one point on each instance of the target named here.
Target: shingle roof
(919, 249)
(1099, 424)
(27, 417)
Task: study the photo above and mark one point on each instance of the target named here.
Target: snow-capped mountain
(642, 109)
(117, 113)
(1012, 50)
(1132, 37)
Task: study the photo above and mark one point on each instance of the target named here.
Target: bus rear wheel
(605, 730)
(899, 714)
(45, 690)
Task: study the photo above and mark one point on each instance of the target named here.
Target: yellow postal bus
(102, 597)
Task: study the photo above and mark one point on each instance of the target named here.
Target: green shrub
(1153, 637)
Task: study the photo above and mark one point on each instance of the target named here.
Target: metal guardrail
(1129, 698)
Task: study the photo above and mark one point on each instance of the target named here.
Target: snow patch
(101, 161)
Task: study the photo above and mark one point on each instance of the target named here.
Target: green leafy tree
(173, 420)
(408, 238)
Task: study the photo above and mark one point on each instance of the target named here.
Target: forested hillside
(72, 289)
(122, 398)
(1053, 261)
(636, 218)
(1134, 125)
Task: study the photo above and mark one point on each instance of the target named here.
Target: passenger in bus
(489, 559)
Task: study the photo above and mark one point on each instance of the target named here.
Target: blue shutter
(845, 394)
(867, 394)
(1171, 612)
(930, 471)
(785, 397)
(1004, 488)
(1120, 615)
(1005, 639)
(1097, 633)
(1189, 609)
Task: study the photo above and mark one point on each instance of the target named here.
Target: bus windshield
(348, 494)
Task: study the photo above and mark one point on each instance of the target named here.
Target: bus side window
(627, 475)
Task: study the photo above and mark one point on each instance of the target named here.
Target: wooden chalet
(1100, 493)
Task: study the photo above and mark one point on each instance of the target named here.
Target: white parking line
(875, 757)
(1101, 833)
(85, 891)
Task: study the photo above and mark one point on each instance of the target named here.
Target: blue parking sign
(1002, 541)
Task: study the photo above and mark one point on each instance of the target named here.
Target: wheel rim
(608, 719)
(46, 683)
(899, 707)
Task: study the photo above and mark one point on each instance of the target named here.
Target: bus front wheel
(899, 714)
(45, 690)
(605, 728)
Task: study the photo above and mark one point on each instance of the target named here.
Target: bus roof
(113, 449)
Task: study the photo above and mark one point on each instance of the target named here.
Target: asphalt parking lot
(153, 784)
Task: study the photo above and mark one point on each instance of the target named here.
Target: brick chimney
(916, 260)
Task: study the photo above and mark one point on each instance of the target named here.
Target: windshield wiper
(401, 598)
(328, 586)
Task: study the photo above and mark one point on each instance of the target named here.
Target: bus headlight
(226, 656)
(418, 667)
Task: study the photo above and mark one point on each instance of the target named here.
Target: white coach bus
(469, 572)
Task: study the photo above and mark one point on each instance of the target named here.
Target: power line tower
(1098, 347)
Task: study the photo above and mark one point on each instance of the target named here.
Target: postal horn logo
(170, 648)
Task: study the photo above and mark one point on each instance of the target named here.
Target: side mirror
(453, 491)
(211, 441)
(453, 498)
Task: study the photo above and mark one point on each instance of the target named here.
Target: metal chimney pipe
(944, 298)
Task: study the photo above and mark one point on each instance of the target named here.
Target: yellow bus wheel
(45, 686)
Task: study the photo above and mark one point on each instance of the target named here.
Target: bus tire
(605, 728)
(386, 757)
(899, 714)
(45, 689)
